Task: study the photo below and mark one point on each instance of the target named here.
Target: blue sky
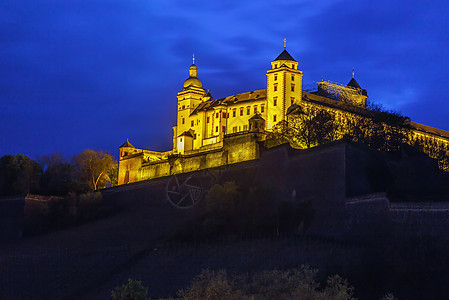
(92, 73)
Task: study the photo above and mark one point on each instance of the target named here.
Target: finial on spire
(285, 43)
(352, 72)
(193, 58)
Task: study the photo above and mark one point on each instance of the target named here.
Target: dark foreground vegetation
(58, 213)
(245, 213)
(59, 193)
(295, 284)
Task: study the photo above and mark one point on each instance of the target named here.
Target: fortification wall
(429, 219)
(235, 149)
(340, 182)
(128, 167)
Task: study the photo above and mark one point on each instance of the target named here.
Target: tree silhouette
(19, 175)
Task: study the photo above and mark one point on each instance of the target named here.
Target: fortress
(211, 133)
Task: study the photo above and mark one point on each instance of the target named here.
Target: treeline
(308, 126)
(55, 175)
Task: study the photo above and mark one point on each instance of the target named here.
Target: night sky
(92, 73)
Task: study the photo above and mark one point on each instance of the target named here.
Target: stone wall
(11, 218)
(236, 148)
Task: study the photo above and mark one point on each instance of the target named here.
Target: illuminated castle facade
(211, 133)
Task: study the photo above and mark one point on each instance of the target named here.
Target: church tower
(284, 87)
(189, 98)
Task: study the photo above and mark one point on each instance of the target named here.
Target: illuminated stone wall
(235, 148)
(128, 169)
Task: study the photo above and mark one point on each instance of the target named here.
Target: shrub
(295, 284)
(211, 285)
(132, 290)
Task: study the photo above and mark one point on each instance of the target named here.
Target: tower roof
(126, 144)
(285, 56)
(193, 79)
(353, 83)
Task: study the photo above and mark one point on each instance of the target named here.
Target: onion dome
(193, 81)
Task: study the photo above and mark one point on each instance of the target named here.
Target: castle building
(215, 132)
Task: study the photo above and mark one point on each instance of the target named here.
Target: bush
(210, 285)
(89, 205)
(296, 284)
(132, 290)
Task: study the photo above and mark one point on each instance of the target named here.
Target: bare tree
(95, 168)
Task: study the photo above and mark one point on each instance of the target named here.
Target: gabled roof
(353, 83)
(257, 116)
(186, 133)
(285, 56)
(126, 144)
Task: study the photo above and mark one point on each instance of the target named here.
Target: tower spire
(352, 72)
(193, 58)
(285, 43)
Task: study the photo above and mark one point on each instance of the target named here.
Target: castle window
(241, 111)
(293, 77)
(197, 122)
(216, 128)
(234, 129)
(240, 128)
(274, 118)
(223, 128)
(255, 109)
(262, 108)
(248, 110)
(293, 87)
(207, 119)
(292, 99)
(224, 115)
(192, 123)
(275, 66)
(181, 139)
(183, 120)
(275, 87)
(245, 127)
(293, 66)
(183, 107)
(275, 101)
(217, 115)
(234, 112)
(275, 77)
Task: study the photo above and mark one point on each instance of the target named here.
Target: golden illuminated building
(216, 132)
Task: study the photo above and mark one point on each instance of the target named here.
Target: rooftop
(285, 56)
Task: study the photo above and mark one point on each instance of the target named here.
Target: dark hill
(355, 231)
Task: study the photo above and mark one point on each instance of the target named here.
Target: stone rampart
(235, 149)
